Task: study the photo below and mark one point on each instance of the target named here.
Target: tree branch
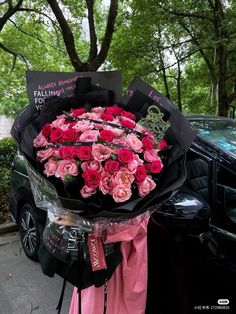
(11, 11)
(195, 41)
(107, 37)
(93, 37)
(187, 14)
(41, 13)
(35, 37)
(67, 35)
(15, 55)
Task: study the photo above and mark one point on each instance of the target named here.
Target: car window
(199, 174)
(221, 132)
(226, 192)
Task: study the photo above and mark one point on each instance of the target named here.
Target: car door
(223, 222)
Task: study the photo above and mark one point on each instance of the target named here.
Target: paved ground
(24, 289)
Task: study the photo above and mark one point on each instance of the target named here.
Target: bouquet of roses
(105, 149)
(96, 166)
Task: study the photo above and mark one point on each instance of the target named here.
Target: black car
(210, 185)
(192, 248)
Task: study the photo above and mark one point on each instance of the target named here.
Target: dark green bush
(8, 150)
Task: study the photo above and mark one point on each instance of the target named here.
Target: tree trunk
(179, 87)
(223, 106)
(222, 56)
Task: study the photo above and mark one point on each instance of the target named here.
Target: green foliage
(8, 150)
(150, 37)
(5, 174)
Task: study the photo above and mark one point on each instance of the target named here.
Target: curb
(7, 228)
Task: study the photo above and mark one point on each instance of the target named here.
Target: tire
(29, 231)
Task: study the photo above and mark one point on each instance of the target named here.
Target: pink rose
(66, 167)
(139, 128)
(146, 186)
(58, 123)
(98, 126)
(90, 115)
(87, 192)
(148, 133)
(132, 166)
(83, 125)
(45, 154)
(150, 155)
(50, 167)
(140, 161)
(98, 110)
(40, 140)
(116, 131)
(106, 185)
(123, 177)
(89, 136)
(91, 165)
(65, 127)
(101, 152)
(134, 143)
(121, 193)
(120, 141)
(56, 153)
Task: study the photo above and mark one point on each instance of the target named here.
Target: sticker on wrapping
(96, 253)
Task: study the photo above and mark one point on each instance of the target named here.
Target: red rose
(107, 116)
(71, 124)
(128, 114)
(140, 174)
(162, 144)
(147, 143)
(56, 135)
(125, 155)
(114, 110)
(127, 123)
(112, 166)
(84, 152)
(92, 178)
(46, 130)
(78, 112)
(67, 152)
(69, 135)
(107, 135)
(156, 166)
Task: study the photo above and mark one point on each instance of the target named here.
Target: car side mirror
(186, 211)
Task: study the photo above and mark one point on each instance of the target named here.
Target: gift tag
(96, 253)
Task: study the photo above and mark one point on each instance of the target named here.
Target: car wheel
(29, 231)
